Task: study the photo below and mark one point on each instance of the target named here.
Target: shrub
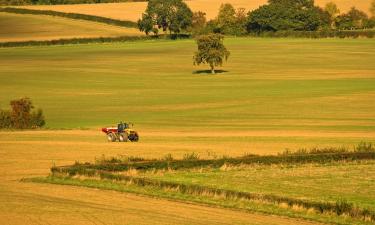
(168, 157)
(190, 156)
(21, 116)
(5, 119)
(37, 119)
(364, 147)
(342, 206)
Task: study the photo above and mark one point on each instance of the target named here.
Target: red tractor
(123, 132)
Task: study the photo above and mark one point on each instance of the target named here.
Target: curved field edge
(217, 201)
(22, 30)
(99, 19)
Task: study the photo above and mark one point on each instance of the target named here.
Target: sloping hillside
(15, 27)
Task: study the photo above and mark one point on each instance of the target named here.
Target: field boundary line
(76, 16)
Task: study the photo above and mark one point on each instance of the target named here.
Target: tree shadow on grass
(209, 72)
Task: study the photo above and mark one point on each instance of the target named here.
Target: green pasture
(267, 84)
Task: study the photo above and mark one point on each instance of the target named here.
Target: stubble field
(15, 27)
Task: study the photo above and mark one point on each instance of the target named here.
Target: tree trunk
(212, 69)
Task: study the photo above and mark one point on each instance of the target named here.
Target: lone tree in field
(211, 50)
(168, 15)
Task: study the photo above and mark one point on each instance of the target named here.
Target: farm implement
(123, 132)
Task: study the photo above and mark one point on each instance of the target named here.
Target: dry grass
(29, 203)
(14, 27)
(157, 143)
(132, 11)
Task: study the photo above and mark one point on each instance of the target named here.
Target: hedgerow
(91, 40)
(316, 34)
(364, 151)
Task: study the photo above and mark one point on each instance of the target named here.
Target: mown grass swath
(325, 155)
(99, 19)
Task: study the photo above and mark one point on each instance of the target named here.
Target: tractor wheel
(111, 137)
(123, 137)
(135, 138)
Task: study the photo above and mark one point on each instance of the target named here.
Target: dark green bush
(5, 119)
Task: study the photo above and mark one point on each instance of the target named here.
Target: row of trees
(175, 16)
(21, 115)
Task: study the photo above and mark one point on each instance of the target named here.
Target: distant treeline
(61, 2)
(289, 16)
(99, 19)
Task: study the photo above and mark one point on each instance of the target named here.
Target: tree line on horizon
(175, 16)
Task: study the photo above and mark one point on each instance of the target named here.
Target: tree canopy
(168, 15)
(354, 19)
(298, 15)
(211, 50)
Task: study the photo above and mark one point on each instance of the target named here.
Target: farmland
(14, 27)
(272, 95)
(133, 10)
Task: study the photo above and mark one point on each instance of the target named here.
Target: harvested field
(158, 143)
(133, 10)
(15, 27)
(28, 203)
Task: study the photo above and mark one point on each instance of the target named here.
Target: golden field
(30, 154)
(132, 11)
(15, 27)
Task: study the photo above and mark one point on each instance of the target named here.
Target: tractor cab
(121, 127)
